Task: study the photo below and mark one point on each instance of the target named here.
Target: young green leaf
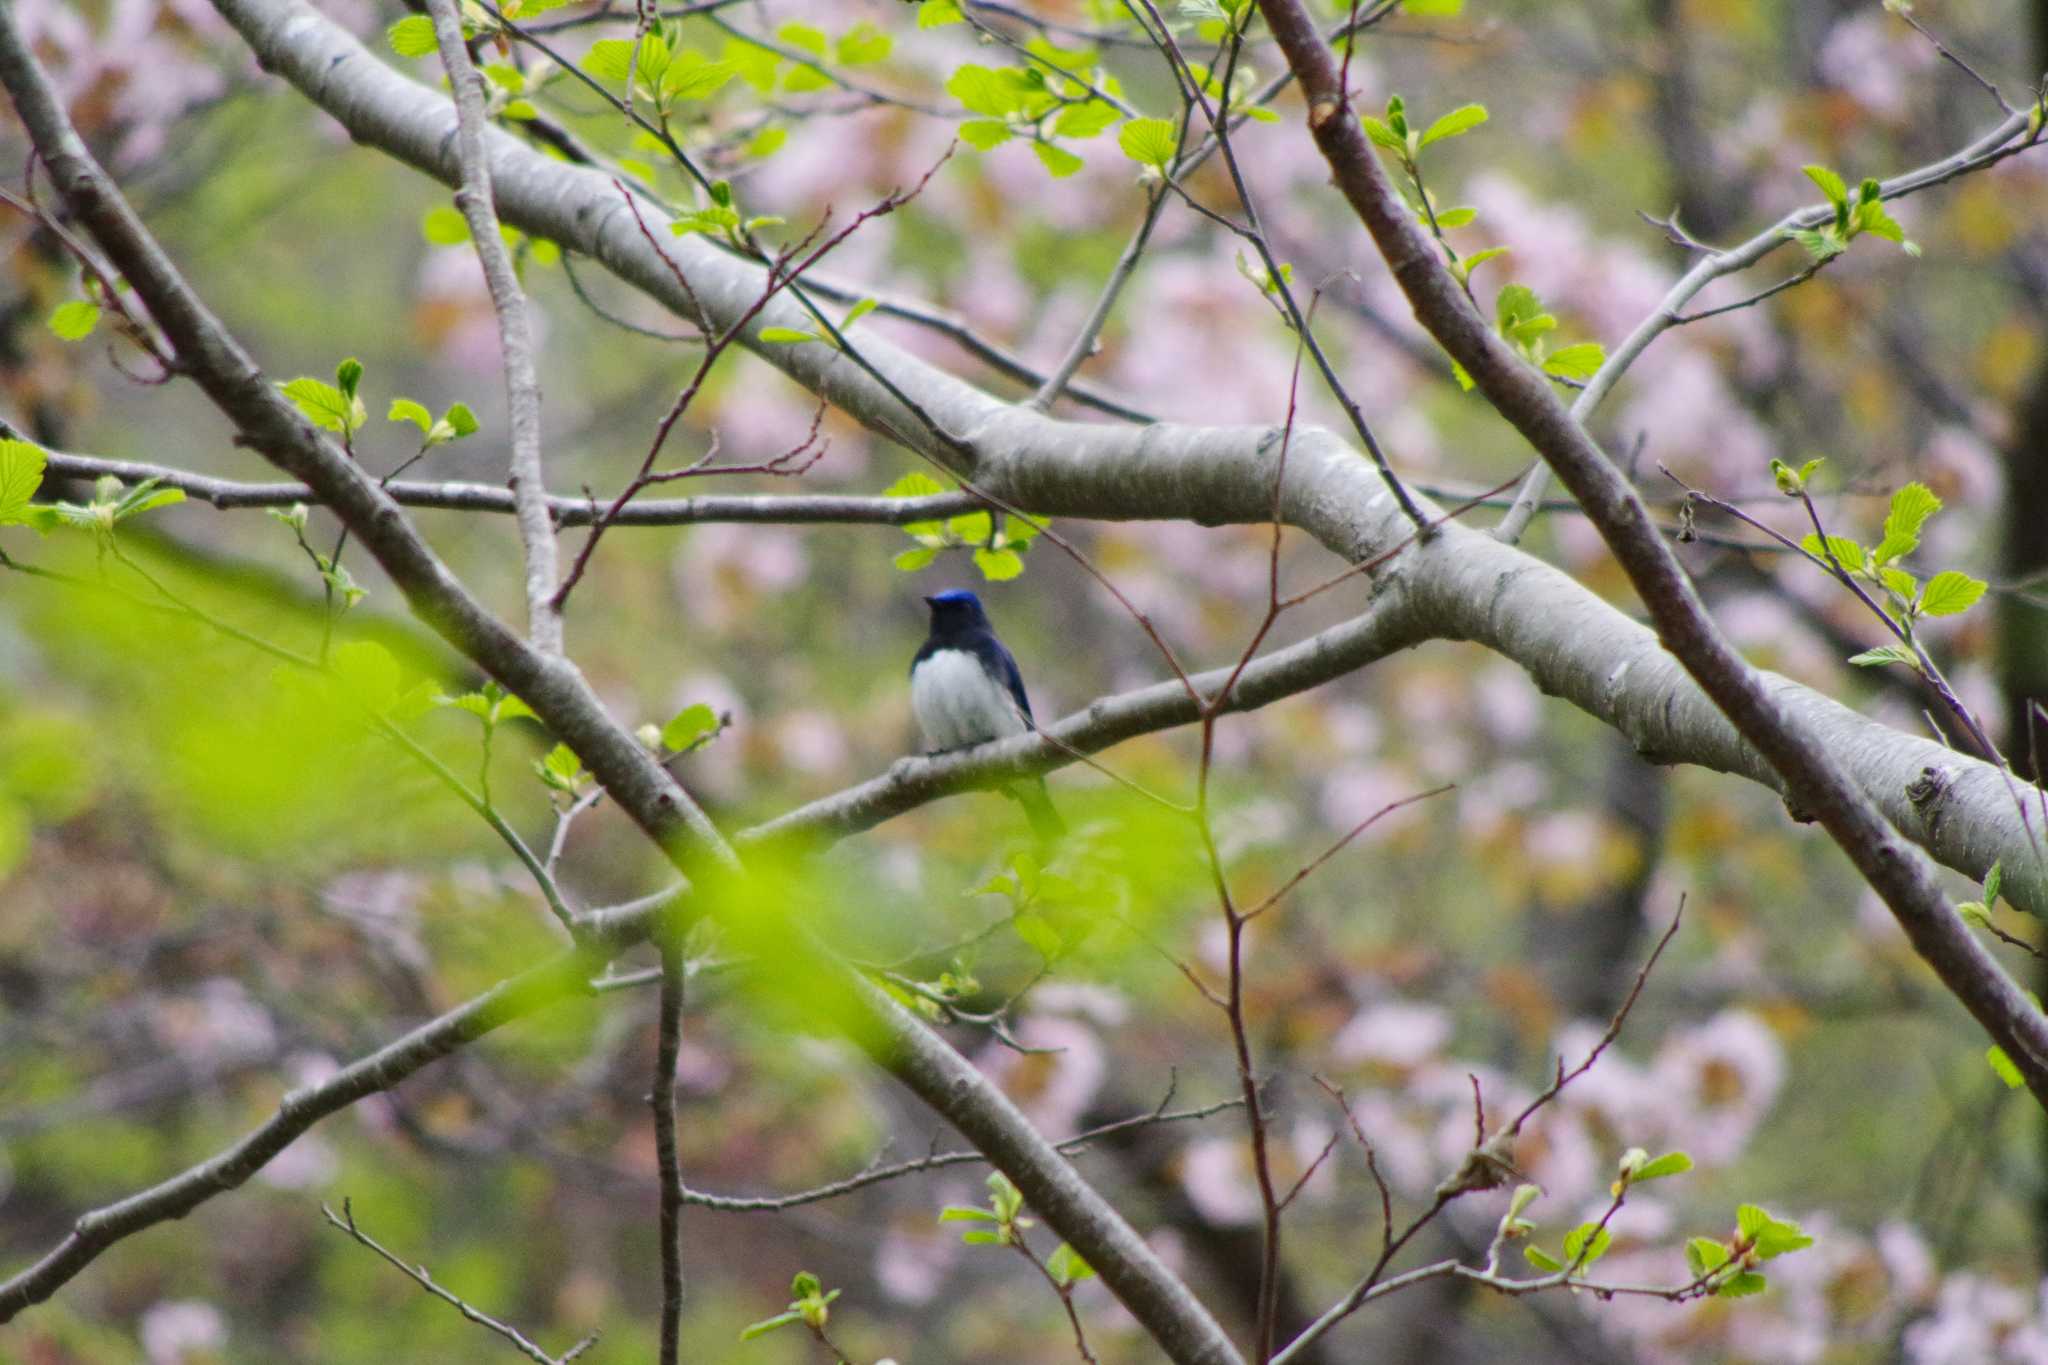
(1885, 654)
(21, 473)
(787, 336)
(1830, 184)
(74, 319)
(444, 225)
(2002, 1067)
(412, 36)
(1057, 160)
(863, 45)
(1949, 593)
(1149, 142)
(406, 410)
(326, 406)
(1581, 361)
(985, 134)
(1066, 1266)
(1458, 121)
(1911, 506)
(998, 565)
(688, 726)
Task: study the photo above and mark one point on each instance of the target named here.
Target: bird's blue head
(957, 606)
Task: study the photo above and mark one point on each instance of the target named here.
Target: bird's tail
(1045, 821)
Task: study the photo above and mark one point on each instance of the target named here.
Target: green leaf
(1148, 141)
(979, 1238)
(1705, 1255)
(326, 406)
(1038, 933)
(915, 484)
(971, 528)
(1433, 9)
(2002, 1067)
(804, 37)
(1911, 506)
(405, 410)
(1993, 880)
(1845, 550)
(412, 36)
(1541, 1259)
(609, 59)
(1821, 246)
(939, 13)
(985, 134)
(998, 565)
(146, 497)
(1581, 361)
(1461, 120)
(690, 75)
(367, 671)
(767, 1325)
(74, 319)
(688, 726)
(1588, 1241)
(857, 312)
(767, 142)
(561, 769)
(960, 1213)
(1066, 1265)
(1900, 582)
(1671, 1163)
(1741, 1286)
(1830, 184)
(1950, 592)
(1885, 654)
(1456, 218)
(1085, 120)
(863, 45)
(910, 561)
(21, 473)
(787, 336)
(460, 419)
(444, 225)
(1383, 136)
(1057, 160)
(987, 91)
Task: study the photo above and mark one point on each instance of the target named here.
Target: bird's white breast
(957, 703)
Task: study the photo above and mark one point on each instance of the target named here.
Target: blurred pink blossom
(182, 1332)
(1723, 1076)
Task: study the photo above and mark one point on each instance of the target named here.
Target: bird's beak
(930, 601)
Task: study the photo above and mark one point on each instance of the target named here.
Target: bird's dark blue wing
(1002, 665)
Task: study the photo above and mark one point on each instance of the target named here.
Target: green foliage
(997, 552)
(454, 424)
(1854, 215)
(810, 1304)
(1522, 321)
(690, 728)
(661, 68)
(1792, 482)
(1729, 1269)
(412, 36)
(74, 319)
(1001, 1223)
(21, 474)
(1901, 598)
(1150, 142)
(331, 407)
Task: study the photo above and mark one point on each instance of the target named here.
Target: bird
(965, 690)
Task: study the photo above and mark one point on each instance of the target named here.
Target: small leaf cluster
(1588, 1242)
(1854, 216)
(666, 72)
(1907, 599)
(1405, 143)
(809, 1303)
(1000, 1224)
(21, 474)
(691, 728)
(1729, 1269)
(998, 552)
(1045, 102)
(561, 772)
(722, 217)
(339, 408)
(1522, 321)
(341, 584)
(491, 704)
